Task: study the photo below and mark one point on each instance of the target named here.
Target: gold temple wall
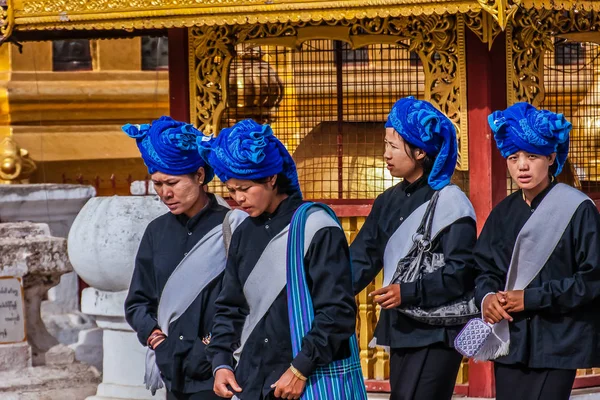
(70, 121)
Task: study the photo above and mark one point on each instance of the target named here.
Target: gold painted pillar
(15, 164)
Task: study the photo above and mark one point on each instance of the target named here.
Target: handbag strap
(426, 225)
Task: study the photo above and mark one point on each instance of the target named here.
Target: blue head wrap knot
(248, 150)
(421, 124)
(524, 127)
(169, 146)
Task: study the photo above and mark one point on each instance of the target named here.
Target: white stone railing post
(103, 242)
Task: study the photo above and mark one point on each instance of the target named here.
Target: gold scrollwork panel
(484, 26)
(528, 38)
(438, 40)
(211, 51)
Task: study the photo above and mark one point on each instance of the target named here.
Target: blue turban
(419, 123)
(170, 147)
(248, 150)
(523, 127)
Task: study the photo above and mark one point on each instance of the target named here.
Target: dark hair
(426, 163)
(282, 183)
(553, 168)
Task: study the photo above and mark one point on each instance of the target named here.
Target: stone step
(68, 382)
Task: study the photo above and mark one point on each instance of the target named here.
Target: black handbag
(419, 262)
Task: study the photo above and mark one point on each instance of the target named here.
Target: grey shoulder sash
(452, 205)
(534, 245)
(203, 263)
(268, 278)
(541, 233)
(232, 220)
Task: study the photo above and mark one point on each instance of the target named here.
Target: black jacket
(560, 327)
(268, 352)
(181, 357)
(448, 283)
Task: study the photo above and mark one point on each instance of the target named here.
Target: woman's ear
(200, 175)
(552, 158)
(419, 154)
(273, 181)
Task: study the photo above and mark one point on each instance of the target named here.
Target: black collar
(411, 187)
(192, 222)
(538, 199)
(289, 204)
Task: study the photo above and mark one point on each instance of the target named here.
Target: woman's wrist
(297, 373)
(155, 338)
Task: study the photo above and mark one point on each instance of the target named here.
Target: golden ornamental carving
(154, 14)
(438, 40)
(157, 14)
(501, 10)
(484, 26)
(58, 6)
(6, 19)
(211, 50)
(568, 5)
(15, 164)
(529, 37)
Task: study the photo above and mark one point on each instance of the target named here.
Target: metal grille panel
(572, 84)
(328, 104)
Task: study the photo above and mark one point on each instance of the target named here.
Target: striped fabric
(340, 380)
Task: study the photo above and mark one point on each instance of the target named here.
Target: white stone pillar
(103, 242)
(124, 357)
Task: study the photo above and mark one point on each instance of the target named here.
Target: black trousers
(204, 395)
(424, 373)
(517, 382)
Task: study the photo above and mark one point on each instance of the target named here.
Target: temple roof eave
(145, 14)
(29, 16)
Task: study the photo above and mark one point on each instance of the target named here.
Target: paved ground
(577, 395)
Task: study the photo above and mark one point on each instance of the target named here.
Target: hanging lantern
(255, 89)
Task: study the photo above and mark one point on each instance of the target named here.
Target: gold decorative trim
(569, 5)
(484, 26)
(438, 40)
(529, 37)
(7, 17)
(463, 137)
(501, 10)
(147, 14)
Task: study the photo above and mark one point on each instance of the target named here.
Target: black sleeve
(583, 286)
(367, 250)
(327, 263)
(231, 310)
(142, 299)
(490, 278)
(455, 278)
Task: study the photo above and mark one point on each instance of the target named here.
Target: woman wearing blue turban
(286, 315)
(179, 264)
(539, 261)
(420, 148)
